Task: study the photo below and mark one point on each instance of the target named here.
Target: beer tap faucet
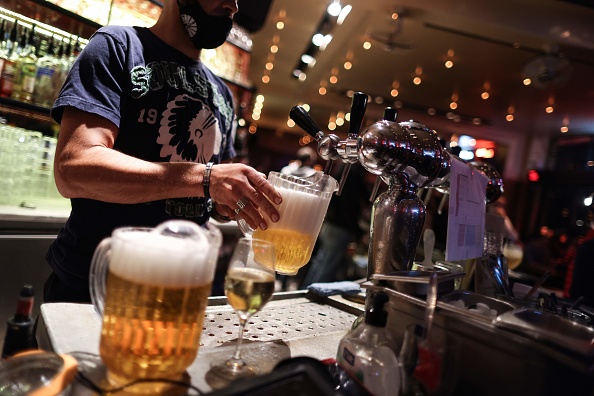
(330, 147)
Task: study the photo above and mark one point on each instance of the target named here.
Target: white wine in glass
(249, 285)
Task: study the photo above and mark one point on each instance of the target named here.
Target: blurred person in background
(341, 226)
(579, 280)
(302, 165)
(146, 135)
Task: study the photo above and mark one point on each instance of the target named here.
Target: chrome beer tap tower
(406, 156)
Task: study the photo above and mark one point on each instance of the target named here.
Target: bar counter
(290, 325)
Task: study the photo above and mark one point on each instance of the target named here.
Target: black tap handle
(358, 107)
(304, 120)
(390, 114)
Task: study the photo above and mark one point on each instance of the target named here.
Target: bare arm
(87, 166)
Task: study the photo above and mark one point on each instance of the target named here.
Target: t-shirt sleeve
(95, 82)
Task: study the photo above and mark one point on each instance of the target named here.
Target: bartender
(146, 135)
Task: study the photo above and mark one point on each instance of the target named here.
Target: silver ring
(240, 204)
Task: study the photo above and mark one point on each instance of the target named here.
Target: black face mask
(205, 31)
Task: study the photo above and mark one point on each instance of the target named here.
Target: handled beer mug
(305, 202)
(152, 288)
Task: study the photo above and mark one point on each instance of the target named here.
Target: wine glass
(249, 285)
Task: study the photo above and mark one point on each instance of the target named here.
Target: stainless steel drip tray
(550, 328)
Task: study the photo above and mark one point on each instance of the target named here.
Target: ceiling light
(318, 39)
(343, 14)
(307, 59)
(334, 8)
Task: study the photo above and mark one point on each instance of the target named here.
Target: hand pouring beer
(152, 288)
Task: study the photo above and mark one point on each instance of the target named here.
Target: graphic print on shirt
(189, 131)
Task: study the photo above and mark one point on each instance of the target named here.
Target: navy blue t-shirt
(168, 107)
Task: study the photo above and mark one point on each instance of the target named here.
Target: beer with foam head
(294, 235)
(157, 289)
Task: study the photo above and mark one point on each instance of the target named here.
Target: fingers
(246, 192)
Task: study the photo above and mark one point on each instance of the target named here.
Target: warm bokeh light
(265, 79)
(290, 123)
(366, 45)
(253, 128)
(269, 66)
(260, 98)
(449, 64)
(333, 79)
(485, 95)
(564, 129)
(241, 122)
(509, 117)
(549, 109)
(322, 91)
(348, 65)
(274, 48)
(527, 81)
(255, 117)
(394, 93)
(258, 105)
(280, 25)
(417, 80)
(453, 105)
(331, 126)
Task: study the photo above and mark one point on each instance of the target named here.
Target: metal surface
(288, 317)
(488, 360)
(398, 216)
(416, 283)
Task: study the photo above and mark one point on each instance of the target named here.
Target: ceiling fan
(551, 69)
(390, 39)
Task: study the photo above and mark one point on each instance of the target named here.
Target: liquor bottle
(3, 44)
(62, 68)
(367, 352)
(43, 95)
(26, 70)
(19, 332)
(8, 71)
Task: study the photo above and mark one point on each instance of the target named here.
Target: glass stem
(237, 354)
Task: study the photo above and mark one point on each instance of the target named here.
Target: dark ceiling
(493, 45)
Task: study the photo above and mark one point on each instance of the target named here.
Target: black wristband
(206, 180)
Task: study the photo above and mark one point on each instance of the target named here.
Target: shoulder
(126, 37)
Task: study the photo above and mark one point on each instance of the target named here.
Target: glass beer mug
(152, 286)
(305, 202)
